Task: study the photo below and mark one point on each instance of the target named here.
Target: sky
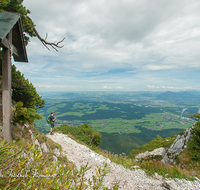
(115, 45)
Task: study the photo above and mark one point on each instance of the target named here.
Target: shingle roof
(12, 21)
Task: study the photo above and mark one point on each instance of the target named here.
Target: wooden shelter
(12, 42)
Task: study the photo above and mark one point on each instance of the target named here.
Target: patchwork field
(115, 117)
(126, 120)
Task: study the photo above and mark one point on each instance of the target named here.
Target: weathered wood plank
(5, 44)
(6, 91)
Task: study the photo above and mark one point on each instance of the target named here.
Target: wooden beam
(5, 44)
(6, 92)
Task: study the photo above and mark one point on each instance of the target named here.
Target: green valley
(125, 120)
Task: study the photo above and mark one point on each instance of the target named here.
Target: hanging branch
(54, 45)
(45, 43)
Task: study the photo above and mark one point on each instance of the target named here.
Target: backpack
(48, 120)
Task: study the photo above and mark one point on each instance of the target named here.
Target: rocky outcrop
(158, 151)
(177, 147)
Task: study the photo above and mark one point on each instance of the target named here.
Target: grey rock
(31, 133)
(166, 185)
(26, 125)
(177, 147)
(35, 142)
(55, 159)
(56, 152)
(196, 178)
(158, 151)
(44, 148)
(156, 176)
(135, 167)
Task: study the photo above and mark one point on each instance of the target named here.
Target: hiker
(52, 119)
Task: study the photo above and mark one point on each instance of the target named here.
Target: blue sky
(126, 45)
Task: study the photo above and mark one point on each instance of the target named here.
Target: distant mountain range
(183, 95)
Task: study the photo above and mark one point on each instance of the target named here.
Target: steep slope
(127, 179)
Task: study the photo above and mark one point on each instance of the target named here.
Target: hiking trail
(127, 179)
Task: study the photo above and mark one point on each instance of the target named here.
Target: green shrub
(84, 133)
(29, 170)
(22, 115)
(194, 144)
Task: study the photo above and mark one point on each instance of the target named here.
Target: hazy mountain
(182, 95)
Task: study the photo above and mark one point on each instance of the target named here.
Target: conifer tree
(22, 90)
(28, 25)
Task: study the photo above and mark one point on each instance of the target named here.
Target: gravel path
(127, 179)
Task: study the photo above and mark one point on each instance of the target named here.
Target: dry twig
(54, 45)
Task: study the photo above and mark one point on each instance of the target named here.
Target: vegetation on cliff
(194, 144)
(24, 97)
(83, 133)
(23, 165)
(152, 145)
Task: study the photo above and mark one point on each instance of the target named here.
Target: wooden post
(6, 90)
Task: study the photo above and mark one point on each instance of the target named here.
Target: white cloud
(149, 86)
(106, 87)
(175, 88)
(150, 40)
(119, 87)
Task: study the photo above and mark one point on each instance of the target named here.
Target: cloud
(149, 86)
(106, 87)
(119, 87)
(175, 88)
(117, 43)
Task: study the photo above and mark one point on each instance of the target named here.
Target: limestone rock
(26, 125)
(166, 185)
(55, 159)
(135, 167)
(35, 142)
(31, 133)
(177, 147)
(156, 176)
(56, 152)
(157, 151)
(44, 148)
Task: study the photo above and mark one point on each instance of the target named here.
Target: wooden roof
(12, 21)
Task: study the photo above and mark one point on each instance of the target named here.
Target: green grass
(154, 166)
(154, 144)
(42, 173)
(165, 170)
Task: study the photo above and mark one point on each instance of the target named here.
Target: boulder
(158, 151)
(177, 147)
(44, 148)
